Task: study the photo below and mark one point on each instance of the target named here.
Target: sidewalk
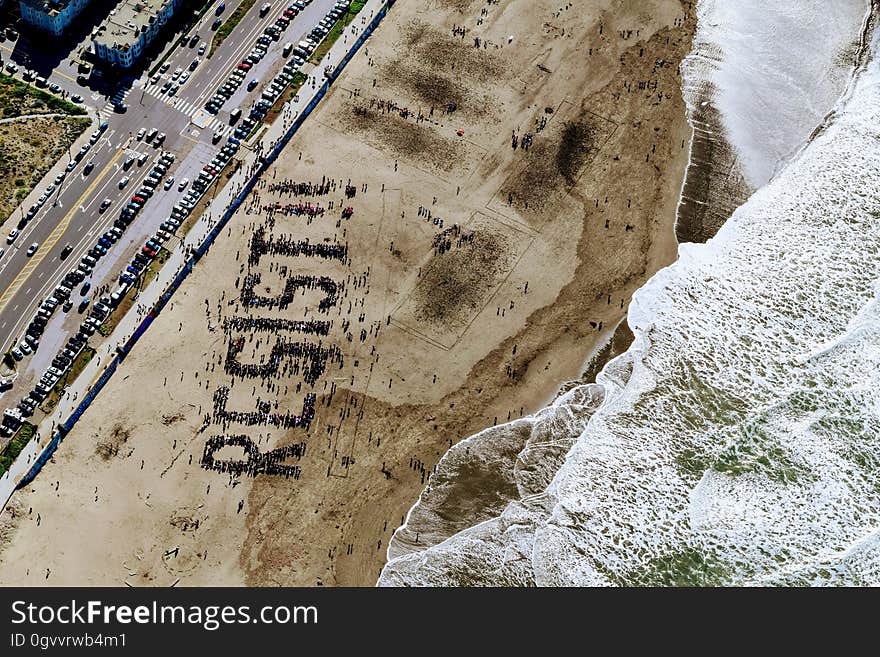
(254, 163)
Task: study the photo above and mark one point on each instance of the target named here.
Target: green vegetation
(296, 83)
(69, 377)
(226, 173)
(28, 149)
(20, 99)
(127, 301)
(336, 31)
(226, 29)
(13, 447)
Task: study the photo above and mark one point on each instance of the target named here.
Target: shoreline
(712, 181)
(581, 247)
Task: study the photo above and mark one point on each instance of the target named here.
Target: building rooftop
(125, 23)
(48, 7)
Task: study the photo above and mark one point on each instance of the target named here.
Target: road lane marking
(64, 75)
(47, 245)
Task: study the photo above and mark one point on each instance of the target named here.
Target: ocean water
(737, 441)
(776, 69)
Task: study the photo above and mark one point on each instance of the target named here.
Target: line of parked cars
(326, 24)
(101, 309)
(67, 355)
(184, 207)
(282, 80)
(261, 47)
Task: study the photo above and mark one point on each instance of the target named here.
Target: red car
(138, 199)
(289, 13)
(244, 66)
(147, 251)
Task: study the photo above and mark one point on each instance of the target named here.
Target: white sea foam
(738, 439)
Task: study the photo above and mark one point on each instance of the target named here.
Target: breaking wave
(737, 441)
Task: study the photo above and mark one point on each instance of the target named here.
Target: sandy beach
(449, 238)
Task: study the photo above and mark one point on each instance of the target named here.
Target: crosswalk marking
(187, 107)
(107, 111)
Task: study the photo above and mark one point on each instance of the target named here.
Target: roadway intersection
(72, 217)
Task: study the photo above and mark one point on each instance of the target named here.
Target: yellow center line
(10, 292)
(64, 75)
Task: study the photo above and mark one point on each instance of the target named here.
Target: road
(71, 215)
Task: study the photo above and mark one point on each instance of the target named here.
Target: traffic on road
(84, 239)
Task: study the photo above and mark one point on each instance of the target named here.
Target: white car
(183, 184)
(32, 249)
(123, 181)
(202, 47)
(12, 235)
(169, 183)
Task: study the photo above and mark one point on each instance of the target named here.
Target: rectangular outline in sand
(498, 204)
(442, 341)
